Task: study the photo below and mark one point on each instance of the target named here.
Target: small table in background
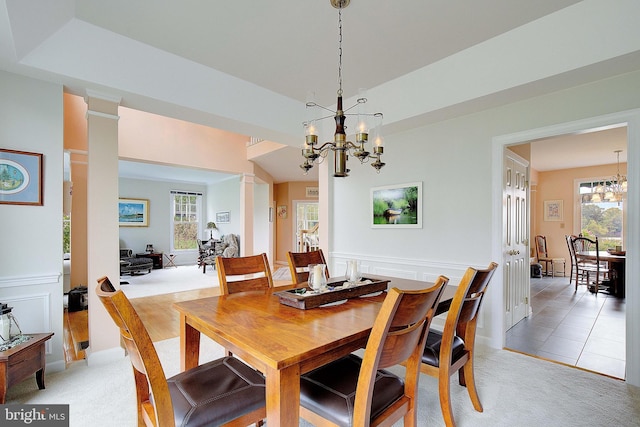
(170, 259)
(21, 361)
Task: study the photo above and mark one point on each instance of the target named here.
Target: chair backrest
(148, 372)
(233, 272)
(462, 317)
(572, 252)
(299, 264)
(585, 244)
(398, 336)
(541, 247)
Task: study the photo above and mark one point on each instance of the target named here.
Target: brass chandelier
(340, 146)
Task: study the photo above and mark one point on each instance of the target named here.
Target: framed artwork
(133, 212)
(553, 210)
(312, 192)
(397, 206)
(223, 217)
(20, 178)
(282, 211)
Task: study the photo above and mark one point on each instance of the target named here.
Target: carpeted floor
(167, 280)
(516, 391)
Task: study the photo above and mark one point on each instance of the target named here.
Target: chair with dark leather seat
(224, 391)
(358, 392)
(452, 349)
(299, 264)
(240, 274)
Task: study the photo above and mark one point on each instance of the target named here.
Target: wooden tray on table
(305, 298)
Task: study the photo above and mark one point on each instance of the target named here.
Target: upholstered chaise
(129, 264)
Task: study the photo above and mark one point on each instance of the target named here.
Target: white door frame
(495, 331)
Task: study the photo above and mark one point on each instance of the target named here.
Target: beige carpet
(168, 280)
(516, 391)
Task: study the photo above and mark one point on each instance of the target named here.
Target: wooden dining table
(616, 262)
(281, 341)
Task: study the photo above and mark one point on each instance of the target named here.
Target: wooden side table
(21, 361)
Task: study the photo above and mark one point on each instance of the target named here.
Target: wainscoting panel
(32, 314)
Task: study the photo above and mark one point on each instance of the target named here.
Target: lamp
(211, 226)
(340, 146)
(618, 183)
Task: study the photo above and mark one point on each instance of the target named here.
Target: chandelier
(613, 189)
(340, 146)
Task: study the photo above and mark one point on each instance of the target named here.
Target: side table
(21, 361)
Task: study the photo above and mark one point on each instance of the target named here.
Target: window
(306, 219)
(66, 234)
(186, 220)
(601, 216)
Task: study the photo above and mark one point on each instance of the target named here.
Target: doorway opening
(569, 325)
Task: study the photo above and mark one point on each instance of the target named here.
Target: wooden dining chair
(224, 391)
(359, 392)
(543, 257)
(452, 349)
(241, 274)
(299, 264)
(595, 273)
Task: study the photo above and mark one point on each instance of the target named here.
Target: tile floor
(574, 327)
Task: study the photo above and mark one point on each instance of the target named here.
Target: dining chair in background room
(299, 264)
(543, 257)
(241, 274)
(595, 273)
(452, 349)
(574, 258)
(224, 391)
(359, 392)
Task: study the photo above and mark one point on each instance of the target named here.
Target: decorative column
(102, 220)
(246, 212)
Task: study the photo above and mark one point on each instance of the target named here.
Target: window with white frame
(601, 216)
(186, 220)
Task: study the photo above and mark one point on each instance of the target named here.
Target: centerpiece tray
(306, 298)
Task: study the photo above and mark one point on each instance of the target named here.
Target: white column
(102, 219)
(246, 211)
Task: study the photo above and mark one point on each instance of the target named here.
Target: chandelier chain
(340, 51)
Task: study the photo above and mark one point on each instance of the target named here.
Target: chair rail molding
(29, 280)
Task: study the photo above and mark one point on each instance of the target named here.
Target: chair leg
(467, 379)
(445, 397)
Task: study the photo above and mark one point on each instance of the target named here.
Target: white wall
(225, 197)
(31, 251)
(453, 159)
(158, 232)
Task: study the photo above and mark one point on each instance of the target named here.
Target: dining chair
(299, 264)
(452, 349)
(595, 274)
(574, 259)
(224, 391)
(354, 391)
(543, 257)
(241, 274)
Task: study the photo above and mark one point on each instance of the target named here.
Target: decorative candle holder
(317, 277)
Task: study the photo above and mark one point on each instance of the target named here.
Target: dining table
(616, 261)
(282, 341)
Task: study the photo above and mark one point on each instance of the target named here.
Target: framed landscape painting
(133, 212)
(20, 178)
(397, 206)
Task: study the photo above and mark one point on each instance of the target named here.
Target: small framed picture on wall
(553, 210)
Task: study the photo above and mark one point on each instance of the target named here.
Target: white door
(516, 241)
